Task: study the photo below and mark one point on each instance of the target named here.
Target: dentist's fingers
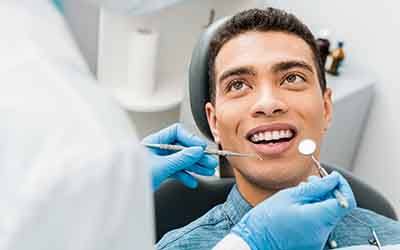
(174, 134)
(200, 170)
(345, 188)
(333, 212)
(187, 179)
(317, 189)
(183, 159)
(208, 161)
(313, 178)
(164, 136)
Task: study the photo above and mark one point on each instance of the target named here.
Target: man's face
(268, 99)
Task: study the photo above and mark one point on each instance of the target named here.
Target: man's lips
(272, 148)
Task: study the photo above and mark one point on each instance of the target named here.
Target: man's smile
(272, 139)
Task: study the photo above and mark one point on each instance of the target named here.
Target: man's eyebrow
(236, 72)
(286, 65)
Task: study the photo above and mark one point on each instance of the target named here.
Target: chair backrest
(176, 205)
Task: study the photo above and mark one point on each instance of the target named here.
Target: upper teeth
(271, 135)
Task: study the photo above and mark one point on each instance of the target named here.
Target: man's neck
(254, 194)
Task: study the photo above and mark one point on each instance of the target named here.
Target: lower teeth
(273, 141)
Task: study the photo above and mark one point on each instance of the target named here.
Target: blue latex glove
(298, 218)
(169, 164)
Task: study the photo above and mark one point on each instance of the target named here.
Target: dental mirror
(307, 147)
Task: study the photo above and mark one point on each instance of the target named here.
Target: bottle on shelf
(323, 45)
(335, 59)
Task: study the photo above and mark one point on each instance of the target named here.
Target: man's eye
(236, 85)
(294, 79)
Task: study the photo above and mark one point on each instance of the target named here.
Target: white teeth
(267, 136)
(271, 135)
(275, 135)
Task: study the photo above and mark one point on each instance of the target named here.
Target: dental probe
(207, 150)
(307, 147)
(375, 241)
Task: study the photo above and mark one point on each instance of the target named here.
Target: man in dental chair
(268, 92)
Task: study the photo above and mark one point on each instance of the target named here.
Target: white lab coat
(72, 173)
(65, 180)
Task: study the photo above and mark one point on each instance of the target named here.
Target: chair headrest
(198, 77)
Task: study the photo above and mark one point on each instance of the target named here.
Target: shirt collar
(235, 206)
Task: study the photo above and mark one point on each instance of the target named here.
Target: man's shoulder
(356, 228)
(203, 233)
(378, 222)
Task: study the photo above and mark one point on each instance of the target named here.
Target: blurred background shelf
(168, 95)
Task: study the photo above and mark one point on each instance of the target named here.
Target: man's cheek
(226, 127)
(224, 118)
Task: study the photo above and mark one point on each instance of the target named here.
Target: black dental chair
(176, 205)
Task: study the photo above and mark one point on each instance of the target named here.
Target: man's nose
(268, 103)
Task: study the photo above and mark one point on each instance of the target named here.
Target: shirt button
(333, 244)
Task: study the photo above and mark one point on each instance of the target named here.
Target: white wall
(371, 33)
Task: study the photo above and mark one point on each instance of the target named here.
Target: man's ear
(212, 121)
(328, 108)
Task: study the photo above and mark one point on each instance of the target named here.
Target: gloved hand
(169, 164)
(298, 218)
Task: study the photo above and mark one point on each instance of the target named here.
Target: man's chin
(271, 184)
(271, 181)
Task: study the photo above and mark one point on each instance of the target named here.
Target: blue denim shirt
(208, 230)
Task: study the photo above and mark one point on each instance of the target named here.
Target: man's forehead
(265, 49)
